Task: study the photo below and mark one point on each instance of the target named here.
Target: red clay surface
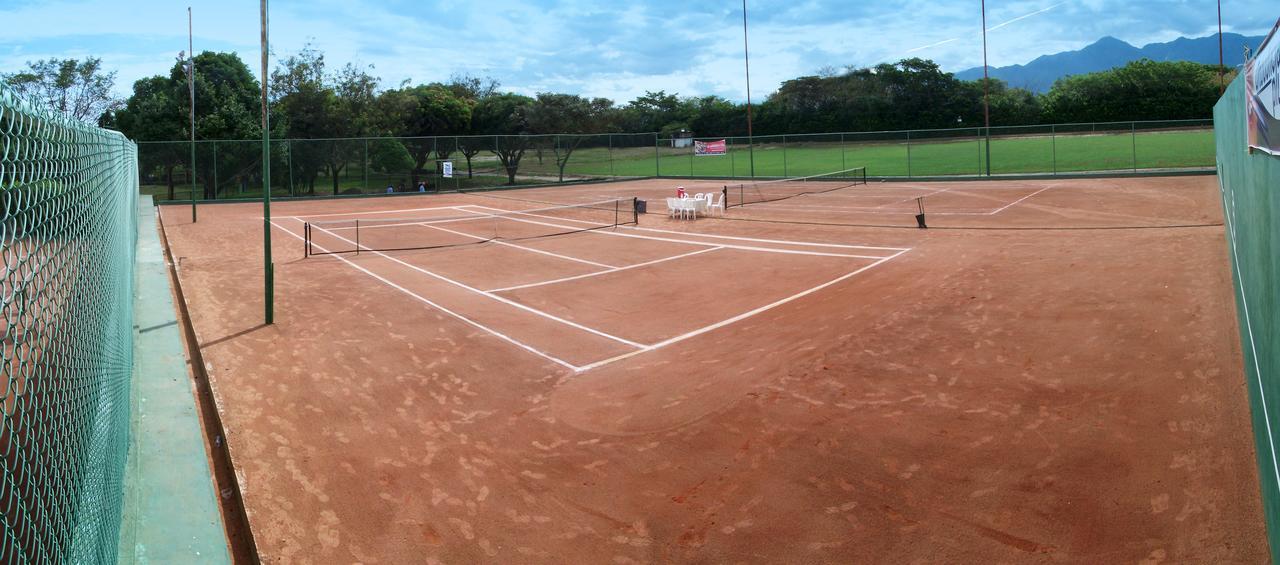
(748, 391)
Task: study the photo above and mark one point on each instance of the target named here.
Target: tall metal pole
(746, 57)
(191, 89)
(268, 267)
(1222, 80)
(986, 87)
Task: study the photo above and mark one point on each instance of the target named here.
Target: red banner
(704, 148)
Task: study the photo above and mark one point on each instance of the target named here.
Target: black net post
(357, 236)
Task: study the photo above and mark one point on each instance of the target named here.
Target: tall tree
(306, 104)
(156, 111)
(79, 89)
(472, 90)
(506, 116)
(426, 111)
(567, 114)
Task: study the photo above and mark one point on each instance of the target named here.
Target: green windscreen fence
(1251, 204)
(68, 233)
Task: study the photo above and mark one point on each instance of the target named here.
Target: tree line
(311, 99)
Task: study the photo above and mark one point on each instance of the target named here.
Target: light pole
(746, 56)
(986, 87)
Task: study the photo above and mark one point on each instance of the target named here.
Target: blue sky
(602, 47)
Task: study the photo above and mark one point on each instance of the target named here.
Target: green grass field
(1009, 155)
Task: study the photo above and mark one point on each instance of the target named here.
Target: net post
(635, 210)
(357, 236)
(724, 196)
(306, 240)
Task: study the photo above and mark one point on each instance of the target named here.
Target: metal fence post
(784, 155)
(1133, 134)
(1053, 142)
(908, 153)
(288, 155)
(609, 154)
(691, 159)
(728, 147)
(657, 159)
(215, 169)
(844, 166)
(978, 140)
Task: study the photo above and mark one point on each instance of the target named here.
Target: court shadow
(232, 336)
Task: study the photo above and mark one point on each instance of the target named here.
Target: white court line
(997, 211)
(428, 302)
(737, 318)
(684, 241)
(870, 210)
(1229, 218)
(605, 272)
(778, 241)
(463, 208)
(529, 249)
(491, 295)
(375, 212)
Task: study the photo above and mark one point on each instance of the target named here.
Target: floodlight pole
(1222, 84)
(191, 89)
(986, 87)
(746, 57)
(268, 267)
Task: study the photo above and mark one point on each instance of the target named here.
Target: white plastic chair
(689, 208)
(672, 208)
(714, 204)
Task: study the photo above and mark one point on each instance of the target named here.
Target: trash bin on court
(642, 207)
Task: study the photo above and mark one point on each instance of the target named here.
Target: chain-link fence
(1018, 150)
(231, 169)
(228, 169)
(68, 233)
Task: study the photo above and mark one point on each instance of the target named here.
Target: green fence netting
(69, 193)
(231, 169)
(1251, 205)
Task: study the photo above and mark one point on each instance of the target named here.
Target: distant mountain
(1109, 52)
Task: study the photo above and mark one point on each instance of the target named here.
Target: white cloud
(601, 48)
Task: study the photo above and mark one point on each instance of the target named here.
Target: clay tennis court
(1050, 373)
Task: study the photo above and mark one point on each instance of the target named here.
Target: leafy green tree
(654, 111)
(505, 115)
(79, 89)
(472, 90)
(567, 114)
(156, 111)
(306, 104)
(1141, 90)
(389, 156)
(425, 111)
(228, 106)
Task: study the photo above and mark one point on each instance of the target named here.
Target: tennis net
(485, 225)
(782, 189)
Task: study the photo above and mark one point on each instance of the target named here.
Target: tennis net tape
(782, 189)
(69, 193)
(476, 225)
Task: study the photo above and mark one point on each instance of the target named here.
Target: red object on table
(680, 192)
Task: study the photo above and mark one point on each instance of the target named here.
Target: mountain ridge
(1109, 52)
